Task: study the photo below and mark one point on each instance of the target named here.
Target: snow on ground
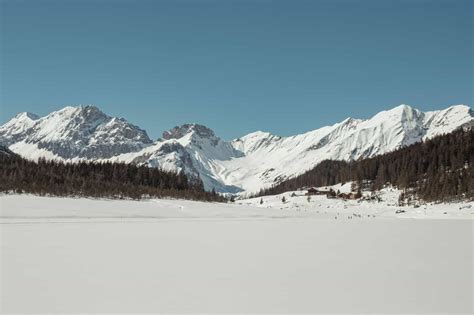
(18, 209)
(297, 201)
(64, 255)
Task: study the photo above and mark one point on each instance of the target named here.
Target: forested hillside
(439, 169)
(92, 179)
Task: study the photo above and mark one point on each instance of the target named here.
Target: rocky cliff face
(181, 131)
(73, 132)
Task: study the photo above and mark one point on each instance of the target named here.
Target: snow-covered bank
(387, 206)
(29, 208)
(25, 208)
(64, 255)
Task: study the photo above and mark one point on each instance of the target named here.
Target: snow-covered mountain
(243, 165)
(72, 132)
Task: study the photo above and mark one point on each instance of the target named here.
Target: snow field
(63, 255)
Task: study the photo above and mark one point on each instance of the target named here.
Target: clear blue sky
(236, 66)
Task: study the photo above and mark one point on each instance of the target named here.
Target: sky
(236, 66)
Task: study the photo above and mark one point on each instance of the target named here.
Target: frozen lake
(179, 256)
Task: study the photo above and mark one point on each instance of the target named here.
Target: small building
(344, 196)
(353, 196)
(331, 194)
(314, 191)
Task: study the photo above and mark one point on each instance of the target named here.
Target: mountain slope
(248, 164)
(437, 169)
(261, 159)
(270, 159)
(72, 132)
(193, 148)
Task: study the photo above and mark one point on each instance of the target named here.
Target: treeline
(439, 169)
(93, 179)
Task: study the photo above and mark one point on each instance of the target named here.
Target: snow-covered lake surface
(97, 256)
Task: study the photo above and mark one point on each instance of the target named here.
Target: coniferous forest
(96, 179)
(439, 169)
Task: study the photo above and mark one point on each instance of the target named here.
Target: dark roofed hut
(314, 191)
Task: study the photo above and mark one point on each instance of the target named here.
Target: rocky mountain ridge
(244, 165)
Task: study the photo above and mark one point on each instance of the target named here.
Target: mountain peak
(181, 131)
(83, 110)
(90, 109)
(259, 134)
(82, 131)
(350, 122)
(27, 115)
(461, 108)
(401, 109)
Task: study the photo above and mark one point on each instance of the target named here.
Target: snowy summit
(244, 165)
